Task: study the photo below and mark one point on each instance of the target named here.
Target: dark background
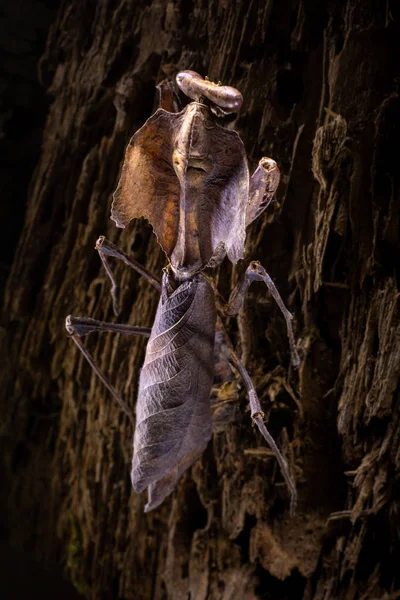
(320, 82)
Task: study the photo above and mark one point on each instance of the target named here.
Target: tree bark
(320, 88)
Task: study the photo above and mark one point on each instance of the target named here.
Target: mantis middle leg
(106, 248)
(256, 272)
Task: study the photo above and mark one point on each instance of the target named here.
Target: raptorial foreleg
(263, 185)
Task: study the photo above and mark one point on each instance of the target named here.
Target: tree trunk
(320, 84)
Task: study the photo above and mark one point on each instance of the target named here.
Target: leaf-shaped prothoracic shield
(188, 176)
(173, 420)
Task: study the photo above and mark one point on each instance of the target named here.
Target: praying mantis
(188, 176)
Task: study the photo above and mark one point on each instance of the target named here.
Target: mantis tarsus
(189, 177)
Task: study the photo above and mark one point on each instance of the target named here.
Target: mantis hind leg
(78, 327)
(257, 416)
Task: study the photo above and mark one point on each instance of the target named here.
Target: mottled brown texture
(320, 83)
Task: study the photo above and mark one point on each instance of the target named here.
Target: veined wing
(173, 420)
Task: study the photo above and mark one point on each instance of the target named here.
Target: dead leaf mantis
(189, 177)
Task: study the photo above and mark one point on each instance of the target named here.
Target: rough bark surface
(320, 91)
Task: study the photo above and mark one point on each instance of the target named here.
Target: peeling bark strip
(321, 93)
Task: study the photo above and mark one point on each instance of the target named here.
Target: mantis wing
(173, 420)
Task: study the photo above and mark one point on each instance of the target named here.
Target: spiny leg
(106, 248)
(257, 416)
(256, 272)
(78, 327)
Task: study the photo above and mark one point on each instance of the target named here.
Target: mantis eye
(227, 98)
